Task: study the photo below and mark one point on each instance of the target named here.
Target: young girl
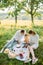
(30, 49)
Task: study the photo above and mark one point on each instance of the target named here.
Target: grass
(7, 33)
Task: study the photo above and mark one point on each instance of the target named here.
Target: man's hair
(32, 32)
(22, 31)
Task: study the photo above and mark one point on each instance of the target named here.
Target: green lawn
(6, 34)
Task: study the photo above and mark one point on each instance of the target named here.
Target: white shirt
(18, 36)
(34, 39)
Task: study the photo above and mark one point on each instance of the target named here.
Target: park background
(11, 21)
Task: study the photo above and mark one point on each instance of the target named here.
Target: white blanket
(17, 50)
(20, 50)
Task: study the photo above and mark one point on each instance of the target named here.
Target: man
(19, 36)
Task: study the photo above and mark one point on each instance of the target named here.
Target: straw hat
(6, 51)
(12, 55)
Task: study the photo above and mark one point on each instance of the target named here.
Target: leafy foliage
(30, 6)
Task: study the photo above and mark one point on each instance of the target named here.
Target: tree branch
(27, 10)
(35, 9)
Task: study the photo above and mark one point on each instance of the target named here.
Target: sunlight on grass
(10, 24)
(7, 22)
(8, 29)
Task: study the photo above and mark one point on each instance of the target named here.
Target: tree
(31, 7)
(16, 9)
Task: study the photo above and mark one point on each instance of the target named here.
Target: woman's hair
(32, 32)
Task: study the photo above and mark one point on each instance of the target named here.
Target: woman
(34, 42)
(34, 39)
(30, 50)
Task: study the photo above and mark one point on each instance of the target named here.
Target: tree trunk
(15, 20)
(32, 19)
(15, 13)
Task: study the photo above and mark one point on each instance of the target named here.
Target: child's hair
(26, 34)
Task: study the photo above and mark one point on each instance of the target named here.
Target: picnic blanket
(13, 47)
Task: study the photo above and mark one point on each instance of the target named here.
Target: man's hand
(18, 42)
